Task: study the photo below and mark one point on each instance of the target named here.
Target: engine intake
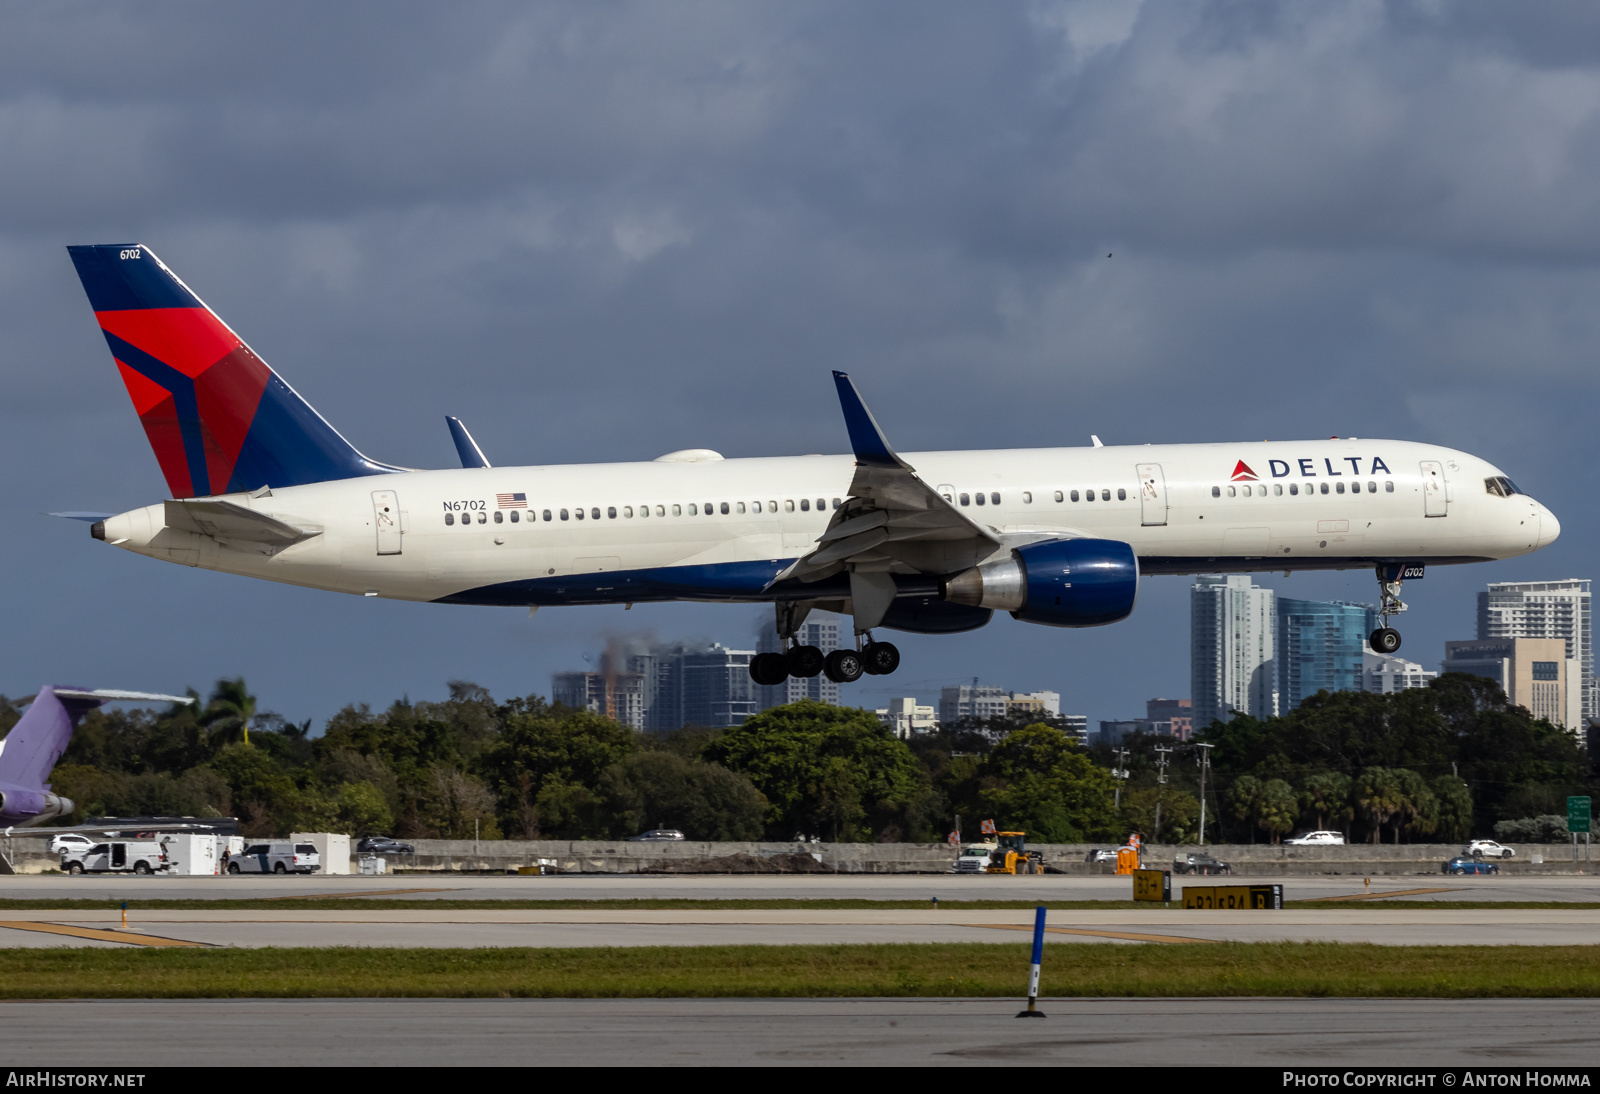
(1058, 583)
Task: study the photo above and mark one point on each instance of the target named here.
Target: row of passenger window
(1027, 496)
(1260, 489)
(626, 512)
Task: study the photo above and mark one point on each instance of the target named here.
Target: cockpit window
(1500, 486)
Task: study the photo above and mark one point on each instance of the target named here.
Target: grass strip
(1281, 969)
(712, 904)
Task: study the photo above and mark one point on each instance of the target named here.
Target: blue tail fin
(219, 419)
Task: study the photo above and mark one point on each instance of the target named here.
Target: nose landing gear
(1386, 639)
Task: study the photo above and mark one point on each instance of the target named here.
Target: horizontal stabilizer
(226, 522)
(114, 695)
(80, 514)
(467, 448)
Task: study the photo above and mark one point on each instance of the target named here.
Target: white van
(275, 858)
(115, 856)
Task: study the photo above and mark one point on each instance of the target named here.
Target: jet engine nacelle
(1059, 583)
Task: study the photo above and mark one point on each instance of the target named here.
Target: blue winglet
(467, 448)
(871, 447)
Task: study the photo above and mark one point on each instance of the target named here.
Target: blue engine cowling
(1059, 583)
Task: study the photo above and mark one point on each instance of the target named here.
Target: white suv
(1487, 848)
(69, 841)
(1317, 839)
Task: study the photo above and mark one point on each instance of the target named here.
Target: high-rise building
(1319, 648)
(665, 686)
(717, 689)
(972, 701)
(619, 696)
(1179, 713)
(1386, 675)
(1033, 704)
(976, 700)
(1231, 626)
(1076, 725)
(1546, 609)
(906, 717)
(1533, 672)
(821, 631)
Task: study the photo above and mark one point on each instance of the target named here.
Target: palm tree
(230, 710)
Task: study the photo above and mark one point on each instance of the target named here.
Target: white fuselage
(722, 529)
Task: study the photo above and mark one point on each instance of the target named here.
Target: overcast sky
(605, 231)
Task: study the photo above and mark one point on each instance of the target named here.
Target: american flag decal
(512, 501)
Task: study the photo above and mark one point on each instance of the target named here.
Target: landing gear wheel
(768, 669)
(879, 658)
(843, 666)
(1384, 640)
(804, 661)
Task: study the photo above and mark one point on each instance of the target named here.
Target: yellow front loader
(1013, 856)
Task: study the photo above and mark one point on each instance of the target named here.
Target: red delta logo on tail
(219, 419)
(225, 385)
(1242, 473)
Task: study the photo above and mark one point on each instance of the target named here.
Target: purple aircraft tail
(35, 743)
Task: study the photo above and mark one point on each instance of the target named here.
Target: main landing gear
(1386, 639)
(841, 666)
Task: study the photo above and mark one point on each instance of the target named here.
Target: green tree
(705, 801)
(458, 806)
(1269, 805)
(363, 809)
(1039, 781)
(228, 713)
(829, 770)
(1180, 813)
(1326, 795)
(540, 749)
(1448, 814)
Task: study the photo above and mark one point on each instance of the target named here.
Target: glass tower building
(1320, 647)
(1230, 649)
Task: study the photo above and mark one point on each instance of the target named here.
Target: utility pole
(1162, 755)
(1204, 760)
(1119, 773)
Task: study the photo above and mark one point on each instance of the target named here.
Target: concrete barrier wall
(30, 855)
(622, 857)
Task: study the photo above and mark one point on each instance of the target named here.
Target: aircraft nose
(1549, 527)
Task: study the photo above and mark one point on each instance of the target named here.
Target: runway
(1325, 1033)
(1507, 886)
(300, 925)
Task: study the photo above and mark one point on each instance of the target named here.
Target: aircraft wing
(235, 525)
(893, 522)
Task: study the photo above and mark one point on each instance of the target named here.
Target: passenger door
(386, 519)
(1152, 495)
(119, 856)
(1435, 498)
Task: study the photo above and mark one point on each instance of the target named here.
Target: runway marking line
(372, 892)
(98, 935)
(1397, 892)
(1129, 936)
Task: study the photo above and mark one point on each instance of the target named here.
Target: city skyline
(1316, 645)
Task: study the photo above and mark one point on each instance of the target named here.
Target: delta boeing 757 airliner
(930, 542)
